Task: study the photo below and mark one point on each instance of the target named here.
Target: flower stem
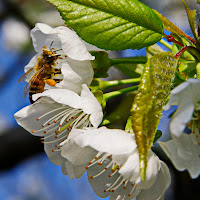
(107, 84)
(166, 44)
(119, 92)
(136, 60)
(192, 50)
(172, 39)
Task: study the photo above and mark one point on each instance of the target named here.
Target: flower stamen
(109, 189)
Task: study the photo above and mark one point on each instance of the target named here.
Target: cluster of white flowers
(67, 117)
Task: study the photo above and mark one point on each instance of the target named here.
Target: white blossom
(185, 96)
(114, 164)
(55, 113)
(75, 62)
(184, 153)
(184, 147)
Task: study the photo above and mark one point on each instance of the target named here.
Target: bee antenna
(51, 45)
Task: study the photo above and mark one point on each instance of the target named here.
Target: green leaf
(112, 24)
(198, 1)
(147, 108)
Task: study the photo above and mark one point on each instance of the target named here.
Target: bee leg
(50, 82)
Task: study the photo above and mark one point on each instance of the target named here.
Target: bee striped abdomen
(36, 86)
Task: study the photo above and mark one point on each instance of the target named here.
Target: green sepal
(157, 136)
(113, 24)
(99, 96)
(101, 64)
(129, 127)
(147, 108)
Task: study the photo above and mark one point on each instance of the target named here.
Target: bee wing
(24, 76)
(33, 78)
(26, 88)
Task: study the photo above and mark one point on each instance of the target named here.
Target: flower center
(57, 123)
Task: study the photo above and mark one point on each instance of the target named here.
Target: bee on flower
(62, 60)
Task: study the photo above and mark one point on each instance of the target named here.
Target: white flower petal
(67, 169)
(189, 89)
(42, 35)
(64, 169)
(74, 153)
(124, 194)
(181, 117)
(131, 171)
(75, 74)
(152, 171)
(186, 95)
(91, 106)
(105, 184)
(101, 182)
(112, 141)
(55, 157)
(21, 113)
(184, 154)
(72, 45)
(31, 63)
(79, 170)
(62, 96)
(159, 187)
(72, 171)
(26, 118)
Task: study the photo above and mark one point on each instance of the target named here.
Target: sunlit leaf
(112, 24)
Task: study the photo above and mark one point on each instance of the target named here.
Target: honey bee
(44, 70)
